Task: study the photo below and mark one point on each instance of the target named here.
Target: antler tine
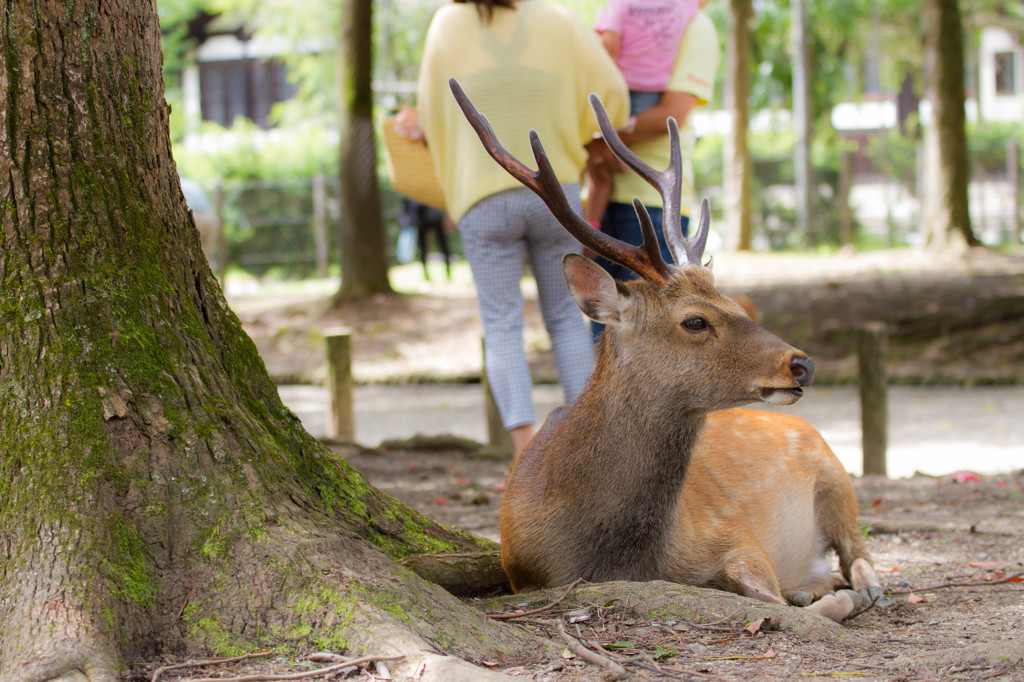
(650, 237)
(668, 182)
(695, 245)
(645, 260)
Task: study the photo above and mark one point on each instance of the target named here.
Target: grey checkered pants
(496, 233)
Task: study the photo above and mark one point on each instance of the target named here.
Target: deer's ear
(593, 289)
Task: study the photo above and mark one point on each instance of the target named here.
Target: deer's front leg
(865, 581)
(753, 576)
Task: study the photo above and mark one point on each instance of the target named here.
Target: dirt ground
(950, 548)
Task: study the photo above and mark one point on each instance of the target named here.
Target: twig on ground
(596, 646)
(520, 614)
(660, 671)
(210, 661)
(616, 671)
(1016, 577)
(266, 677)
(681, 671)
(846, 662)
(1000, 673)
(712, 626)
(326, 657)
(857, 613)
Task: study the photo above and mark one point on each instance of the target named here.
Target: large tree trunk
(738, 173)
(945, 215)
(155, 495)
(364, 256)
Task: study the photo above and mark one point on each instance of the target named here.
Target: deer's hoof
(858, 600)
(875, 596)
(801, 598)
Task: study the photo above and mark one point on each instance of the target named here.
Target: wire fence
(288, 229)
(869, 199)
(285, 229)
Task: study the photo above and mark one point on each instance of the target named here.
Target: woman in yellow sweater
(524, 65)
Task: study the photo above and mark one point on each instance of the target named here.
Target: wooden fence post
(872, 353)
(497, 435)
(341, 422)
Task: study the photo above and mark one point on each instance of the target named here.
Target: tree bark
(364, 257)
(155, 495)
(802, 122)
(738, 173)
(945, 215)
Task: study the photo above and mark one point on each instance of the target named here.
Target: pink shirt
(651, 31)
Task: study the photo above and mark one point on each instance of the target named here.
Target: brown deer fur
(652, 473)
(636, 481)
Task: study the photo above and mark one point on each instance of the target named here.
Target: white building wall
(993, 106)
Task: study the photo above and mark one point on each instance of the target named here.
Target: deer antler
(668, 183)
(645, 260)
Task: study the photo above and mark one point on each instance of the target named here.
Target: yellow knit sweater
(530, 67)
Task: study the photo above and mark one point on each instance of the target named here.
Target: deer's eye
(695, 324)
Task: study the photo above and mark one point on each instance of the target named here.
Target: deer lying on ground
(641, 478)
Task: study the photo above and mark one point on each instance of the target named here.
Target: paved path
(934, 430)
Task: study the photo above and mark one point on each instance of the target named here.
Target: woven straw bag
(410, 169)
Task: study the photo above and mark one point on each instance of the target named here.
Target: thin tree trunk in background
(802, 121)
(945, 214)
(364, 252)
(846, 219)
(1013, 180)
(739, 227)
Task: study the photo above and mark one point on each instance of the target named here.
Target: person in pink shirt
(643, 37)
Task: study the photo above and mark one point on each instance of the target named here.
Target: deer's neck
(637, 451)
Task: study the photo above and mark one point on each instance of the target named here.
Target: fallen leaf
(755, 625)
(914, 599)
(441, 500)
(876, 503)
(768, 654)
(983, 564)
(964, 477)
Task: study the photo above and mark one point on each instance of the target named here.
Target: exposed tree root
(663, 601)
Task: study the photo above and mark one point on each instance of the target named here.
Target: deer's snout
(802, 369)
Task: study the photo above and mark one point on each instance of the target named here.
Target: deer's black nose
(802, 370)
